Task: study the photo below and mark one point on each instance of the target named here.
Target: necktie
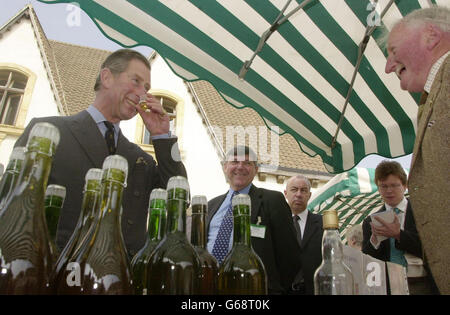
(397, 256)
(109, 137)
(297, 228)
(220, 248)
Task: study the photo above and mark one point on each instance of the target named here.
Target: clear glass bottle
(174, 266)
(11, 175)
(242, 271)
(25, 255)
(209, 265)
(89, 211)
(53, 203)
(332, 277)
(156, 228)
(105, 267)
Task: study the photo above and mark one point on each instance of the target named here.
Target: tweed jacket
(429, 178)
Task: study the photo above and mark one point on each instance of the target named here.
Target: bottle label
(258, 230)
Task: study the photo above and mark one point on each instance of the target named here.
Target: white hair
(438, 16)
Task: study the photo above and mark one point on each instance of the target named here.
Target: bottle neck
(176, 215)
(241, 230)
(35, 174)
(198, 226)
(111, 199)
(7, 185)
(332, 246)
(157, 220)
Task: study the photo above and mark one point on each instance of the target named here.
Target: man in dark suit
(124, 78)
(309, 229)
(277, 248)
(419, 53)
(389, 241)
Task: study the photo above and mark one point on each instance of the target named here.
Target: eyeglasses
(392, 187)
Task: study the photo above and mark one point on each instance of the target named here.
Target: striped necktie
(109, 138)
(221, 245)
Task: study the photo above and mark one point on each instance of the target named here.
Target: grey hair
(355, 232)
(304, 178)
(436, 15)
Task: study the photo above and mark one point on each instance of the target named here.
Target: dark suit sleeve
(23, 139)
(169, 160)
(286, 254)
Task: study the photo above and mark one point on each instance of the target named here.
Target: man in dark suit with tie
(390, 241)
(124, 77)
(309, 230)
(419, 53)
(277, 246)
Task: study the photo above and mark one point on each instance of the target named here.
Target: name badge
(257, 230)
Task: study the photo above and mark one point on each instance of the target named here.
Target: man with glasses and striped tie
(393, 240)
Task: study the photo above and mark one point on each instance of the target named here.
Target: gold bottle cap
(330, 219)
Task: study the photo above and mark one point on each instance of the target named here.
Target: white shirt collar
(433, 71)
(302, 215)
(401, 206)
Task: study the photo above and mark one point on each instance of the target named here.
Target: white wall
(19, 46)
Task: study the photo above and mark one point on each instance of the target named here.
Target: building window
(170, 106)
(12, 89)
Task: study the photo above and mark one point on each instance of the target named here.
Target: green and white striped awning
(353, 194)
(296, 70)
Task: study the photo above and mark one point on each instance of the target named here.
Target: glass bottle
(209, 265)
(156, 227)
(242, 271)
(9, 178)
(332, 277)
(89, 211)
(105, 267)
(53, 203)
(25, 255)
(174, 266)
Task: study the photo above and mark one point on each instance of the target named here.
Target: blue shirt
(216, 221)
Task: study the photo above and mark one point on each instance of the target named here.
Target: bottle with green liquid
(105, 268)
(89, 212)
(208, 264)
(11, 175)
(156, 226)
(174, 266)
(25, 254)
(53, 203)
(242, 272)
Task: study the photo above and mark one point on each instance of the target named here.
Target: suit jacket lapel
(127, 149)
(256, 199)
(85, 130)
(312, 224)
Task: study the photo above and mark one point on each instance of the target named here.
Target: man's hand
(387, 229)
(155, 118)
